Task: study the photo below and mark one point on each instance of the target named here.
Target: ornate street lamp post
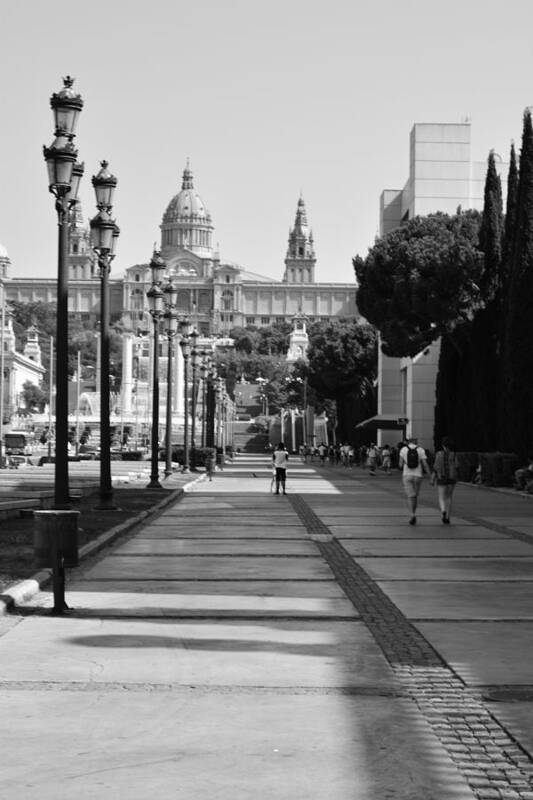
(171, 328)
(104, 235)
(155, 297)
(64, 176)
(204, 369)
(194, 363)
(185, 345)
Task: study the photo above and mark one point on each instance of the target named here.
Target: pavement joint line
(215, 555)
(120, 686)
(86, 613)
(478, 738)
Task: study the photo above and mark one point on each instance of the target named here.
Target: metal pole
(51, 397)
(2, 449)
(78, 404)
(106, 485)
(168, 432)
(193, 422)
(61, 488)
(203, 407)
(185, 413)
(154, 475)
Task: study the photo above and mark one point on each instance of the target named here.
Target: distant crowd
(386, 457)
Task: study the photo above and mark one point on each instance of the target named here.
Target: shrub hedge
(497, 469)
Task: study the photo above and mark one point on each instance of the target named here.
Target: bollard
(55, 545)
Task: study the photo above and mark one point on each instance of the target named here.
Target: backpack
(412, 457)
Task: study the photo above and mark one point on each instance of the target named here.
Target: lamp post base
(154, 484)
(185, 469)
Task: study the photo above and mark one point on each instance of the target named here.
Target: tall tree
(518, 353)
(484, 351)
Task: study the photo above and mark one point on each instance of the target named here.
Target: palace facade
(216, 294)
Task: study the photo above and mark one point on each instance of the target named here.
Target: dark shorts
(446, 482)
(281, 473)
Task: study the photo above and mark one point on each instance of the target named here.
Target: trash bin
(55, 535)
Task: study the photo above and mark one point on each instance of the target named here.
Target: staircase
(247, 440)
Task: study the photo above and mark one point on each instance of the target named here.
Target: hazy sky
(267, 99)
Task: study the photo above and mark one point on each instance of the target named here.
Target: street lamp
(204, 369)
(185, 345)
(155, 297)
(194, 363)
(104, 236)
(64, 175)
(171, 328)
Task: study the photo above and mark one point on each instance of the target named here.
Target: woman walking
(445, 476)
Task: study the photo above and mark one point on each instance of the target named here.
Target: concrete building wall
(442, 176)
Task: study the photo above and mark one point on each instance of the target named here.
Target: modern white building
(442, 176)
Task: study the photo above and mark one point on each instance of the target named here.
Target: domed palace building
(215, 294)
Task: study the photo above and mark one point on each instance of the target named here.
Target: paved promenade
(246, 645)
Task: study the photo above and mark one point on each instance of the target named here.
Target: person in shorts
(414, 464)
(280, 458)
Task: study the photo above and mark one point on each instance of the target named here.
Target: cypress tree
(519, 341)
(484, 350)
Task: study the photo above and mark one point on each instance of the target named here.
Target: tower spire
(187, 177)
(300, 260)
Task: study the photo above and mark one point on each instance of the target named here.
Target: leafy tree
(34, 397)
(342, 364)
(421, 280)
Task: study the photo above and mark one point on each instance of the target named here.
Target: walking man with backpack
(413, 462)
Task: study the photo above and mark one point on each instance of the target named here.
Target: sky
(267, 99)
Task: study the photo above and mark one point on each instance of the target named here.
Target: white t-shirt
(417, 471)
(280, 458)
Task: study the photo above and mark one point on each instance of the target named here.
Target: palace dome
(187, 205)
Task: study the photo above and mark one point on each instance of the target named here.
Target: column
(127, 372)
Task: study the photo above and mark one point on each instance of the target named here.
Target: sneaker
(446, 520)
(444, 517)
(412, 521)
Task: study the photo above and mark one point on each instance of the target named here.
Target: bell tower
(300, 259)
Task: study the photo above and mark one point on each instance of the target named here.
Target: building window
(227, 278)
(227, 300)
(137, 277)
(250, 320)
(265, 320)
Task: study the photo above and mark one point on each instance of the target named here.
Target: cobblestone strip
(494, 765)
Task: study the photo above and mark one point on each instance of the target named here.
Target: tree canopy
(421, 280)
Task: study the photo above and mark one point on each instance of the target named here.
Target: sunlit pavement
(302, 646)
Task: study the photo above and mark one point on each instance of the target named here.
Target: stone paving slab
(454, 600)
(242, 484)
(227, 746)
(437, 547)
(517, 718)
(267, 588)
(199, 568)
(449, 569)
(177, 547)
(160, 529)
(408, 532)
(192, 599)
(199, 653)
(484, 653)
